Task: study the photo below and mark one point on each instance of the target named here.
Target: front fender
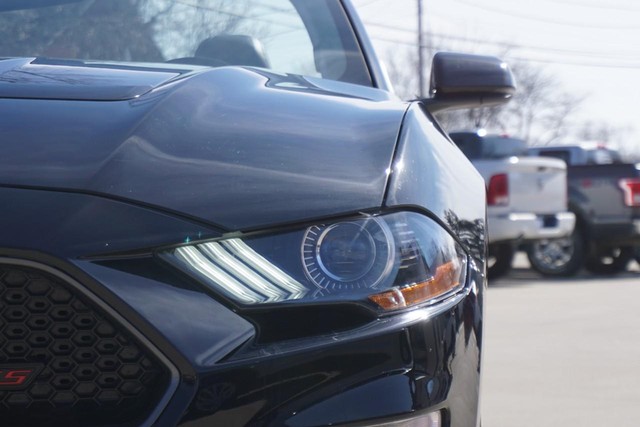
(429, 172)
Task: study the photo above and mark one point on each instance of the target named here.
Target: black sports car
(216, 213)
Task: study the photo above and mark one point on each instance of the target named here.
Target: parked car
(604, 193)
(217, 213)
(526, 196)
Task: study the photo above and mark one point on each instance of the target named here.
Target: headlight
(386, 262)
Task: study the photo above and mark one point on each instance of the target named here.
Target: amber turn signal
(445, 280)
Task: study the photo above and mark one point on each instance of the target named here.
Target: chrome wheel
(557, 257)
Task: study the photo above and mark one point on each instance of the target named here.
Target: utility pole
(420, 51)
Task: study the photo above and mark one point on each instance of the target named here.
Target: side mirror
(468, 81)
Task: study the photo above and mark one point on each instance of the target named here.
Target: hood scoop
(43, 78)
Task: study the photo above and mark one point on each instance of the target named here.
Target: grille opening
(89, 369)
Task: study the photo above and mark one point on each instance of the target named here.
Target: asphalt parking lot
(562, 352)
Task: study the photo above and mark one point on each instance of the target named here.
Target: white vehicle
(526, 196)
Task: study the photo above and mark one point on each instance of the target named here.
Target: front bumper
(415, 364)
(378, 371)
(529, 226)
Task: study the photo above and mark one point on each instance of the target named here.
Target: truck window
(602, 156)
(490, 147)
(498, 147)
(558, 154)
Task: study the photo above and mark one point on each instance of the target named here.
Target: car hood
(240, 148)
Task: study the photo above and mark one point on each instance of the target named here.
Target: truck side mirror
(468, 81)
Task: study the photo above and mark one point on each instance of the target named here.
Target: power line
(369, 3)
(600, 64)
(547, 20)
(579, 64)
(389, 27)
(606, 6)
(390, 40)
(539, 48)
(499, 44)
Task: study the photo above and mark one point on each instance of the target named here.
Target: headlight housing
(386, 262)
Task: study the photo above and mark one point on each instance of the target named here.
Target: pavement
(562, 352)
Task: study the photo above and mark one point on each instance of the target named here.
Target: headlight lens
(387, 262)
(348, 254)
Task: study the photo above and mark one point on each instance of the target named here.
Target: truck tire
(613, 261)
(558, 257)
(499, 260)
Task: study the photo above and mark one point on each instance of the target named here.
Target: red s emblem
(17, 377)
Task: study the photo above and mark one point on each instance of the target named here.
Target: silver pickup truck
(526, 196)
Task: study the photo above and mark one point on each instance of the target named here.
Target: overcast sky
(592, 46)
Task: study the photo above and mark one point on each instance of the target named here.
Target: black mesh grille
(88, 370)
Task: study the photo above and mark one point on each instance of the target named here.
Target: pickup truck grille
(64, 361)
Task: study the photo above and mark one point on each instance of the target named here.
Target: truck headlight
(387, 262)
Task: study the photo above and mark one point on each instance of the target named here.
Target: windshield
(603, 156)
(499, 147)
(311, 38)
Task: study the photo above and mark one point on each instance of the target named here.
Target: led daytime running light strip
(233, 267)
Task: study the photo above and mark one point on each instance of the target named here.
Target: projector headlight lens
(349, 254)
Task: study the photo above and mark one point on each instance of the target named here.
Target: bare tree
(593, 130)
(91, 29)
(619, 137)
(541, 109)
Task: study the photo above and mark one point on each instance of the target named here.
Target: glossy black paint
(230, 146)
(458, 73)
(64, 224)
(468, 81)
